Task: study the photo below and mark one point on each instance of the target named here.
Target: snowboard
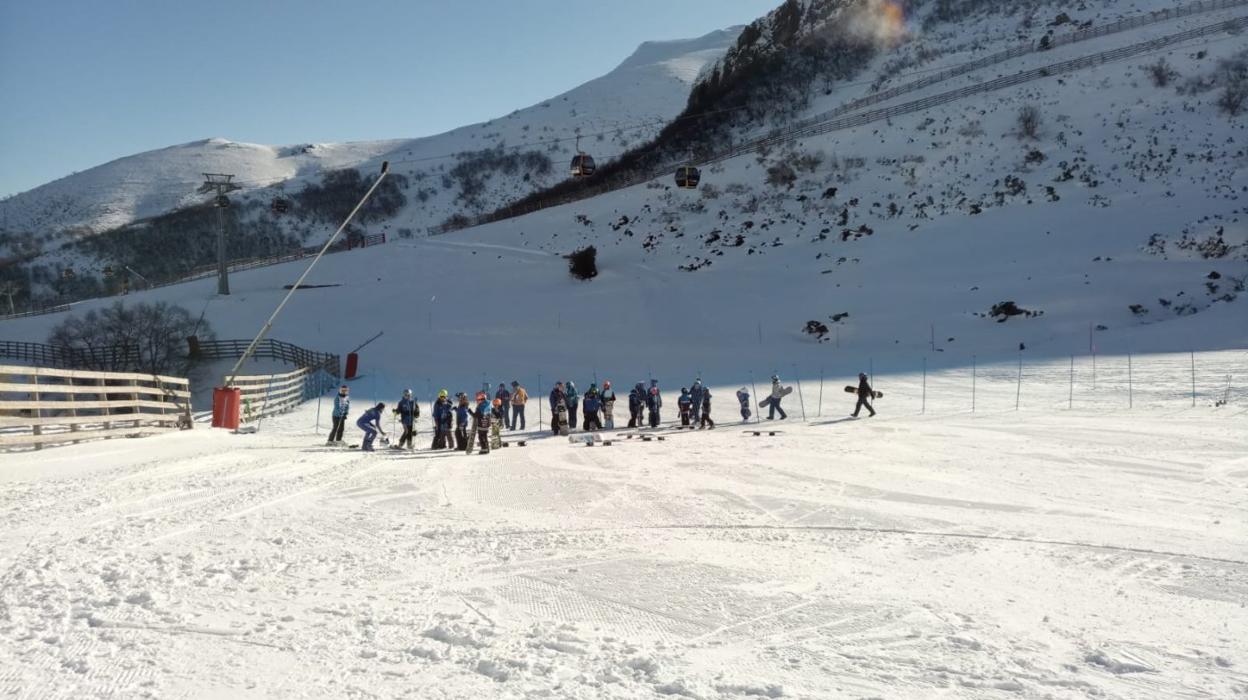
(854, 390)
(496, 437)
(561, 415)
(783, 392)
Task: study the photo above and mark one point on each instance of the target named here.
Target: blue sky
(87, 81)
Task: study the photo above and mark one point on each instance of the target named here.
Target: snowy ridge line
(852, 121)
(879, 531)
(1122, 25)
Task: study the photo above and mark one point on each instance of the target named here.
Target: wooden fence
(266, 349)
(41, 406)
(59, 356)
(271, 394)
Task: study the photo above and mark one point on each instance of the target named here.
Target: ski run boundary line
(878, 531)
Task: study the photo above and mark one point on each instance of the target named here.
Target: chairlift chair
(582, 163)
(688, 177)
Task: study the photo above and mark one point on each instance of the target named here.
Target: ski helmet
(606, 384)
(407, 393)
(862, 375)
(442, 394)
(380, 407)
(343, 389)
(775, 377)
(480, 396)
(514, 384)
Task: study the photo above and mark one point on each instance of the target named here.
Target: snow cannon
(226, 402)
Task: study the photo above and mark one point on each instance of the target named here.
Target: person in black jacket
(706, 410)
(865, 394)
(408, 411)
(463, 418)
(558, 399)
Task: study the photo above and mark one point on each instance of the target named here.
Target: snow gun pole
(800, 399)
(385, 169)
(366, 343)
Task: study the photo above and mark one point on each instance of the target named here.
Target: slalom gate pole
(758, 412)
(973, 375)
(1070, 401)
(385, 169)
(924, 407)
(1193, 355)
(1130, 384)
(819, 413)
(1018, 397)
(800, 399)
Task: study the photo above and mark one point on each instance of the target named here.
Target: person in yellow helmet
(442, 410)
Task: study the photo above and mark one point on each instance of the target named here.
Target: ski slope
(1042, 553)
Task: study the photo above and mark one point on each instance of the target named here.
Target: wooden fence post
(37, 428)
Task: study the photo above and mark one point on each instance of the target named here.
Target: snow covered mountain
(1111, 218)
(647, 89)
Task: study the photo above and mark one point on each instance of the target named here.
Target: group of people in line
(460, 422)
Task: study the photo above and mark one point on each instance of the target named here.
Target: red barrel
(353, 365)
(225, 406)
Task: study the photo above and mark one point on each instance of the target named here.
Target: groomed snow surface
(1056, 553)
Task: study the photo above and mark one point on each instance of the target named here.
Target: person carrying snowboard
(558, 405)
(504, 399)
(636, 403)
(865, 394)
(592, 405)
(773, 405)
(654, 403)
(442, 438)
(572, 403)
(407, 411)
(743, 397)
(463, 418)
(481, 419)
(342, 406)
(497, 416)
(519, 397)
(695, 395)
(706, 410)
(608, 405)
(684, 404)
(370, 423)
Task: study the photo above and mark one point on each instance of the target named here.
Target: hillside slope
(626, 105)
(1119, 226)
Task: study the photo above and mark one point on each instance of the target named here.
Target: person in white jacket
(777, 393)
